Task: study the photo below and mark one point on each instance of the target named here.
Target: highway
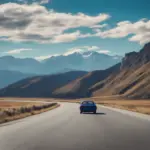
(64, 128)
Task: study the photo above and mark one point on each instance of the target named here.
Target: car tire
(80, 112)
(94, 112)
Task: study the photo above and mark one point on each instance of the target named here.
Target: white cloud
(98, 26)
(104, 51)
(139, 31)
(66, 37)
(40, 58)
(35, 23)
(22, 1)
(44, 1)
(141, 38)
(92, 48)
(34, 1)
(85, 49)
(73, 50)
(18, 51)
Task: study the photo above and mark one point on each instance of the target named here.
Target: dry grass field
(10, 111)
(27, 99)
(8, 105)
(142, 106)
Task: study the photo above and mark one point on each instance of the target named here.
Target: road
(65, 129)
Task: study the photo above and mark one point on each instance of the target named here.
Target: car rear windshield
(88, 102)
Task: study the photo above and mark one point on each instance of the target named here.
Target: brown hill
(136, 59)
(80, 87)
(40, 86)
(129, 83)
(131, 79)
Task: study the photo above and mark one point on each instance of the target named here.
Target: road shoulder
(129, 113)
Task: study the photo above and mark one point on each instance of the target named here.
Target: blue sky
(44, 28)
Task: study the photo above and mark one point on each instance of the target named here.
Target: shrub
(22, 110)
(9, 113)
(14, 111)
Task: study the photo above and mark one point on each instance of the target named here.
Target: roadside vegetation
(10, 111)
(141, 106)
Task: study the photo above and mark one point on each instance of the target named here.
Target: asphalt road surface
(65, 129)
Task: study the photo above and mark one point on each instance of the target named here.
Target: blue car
(88, 106)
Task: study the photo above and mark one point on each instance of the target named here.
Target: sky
(44, 28)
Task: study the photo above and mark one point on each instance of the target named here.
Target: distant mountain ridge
(87, 61)
(26, 65)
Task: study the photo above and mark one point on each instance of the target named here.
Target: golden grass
(27, 99)
(7, 104)
(38, 99)
(141, 106)
(10, 106)
(24, 115)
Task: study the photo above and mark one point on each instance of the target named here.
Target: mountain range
(130, 78)
(87, 61)
(14, 69)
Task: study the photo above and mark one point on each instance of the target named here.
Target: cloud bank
(35, 23)
(17, 51)
(139, 31)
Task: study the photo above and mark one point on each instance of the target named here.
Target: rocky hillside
(133, 80)
(136, 59)
(129, 83)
